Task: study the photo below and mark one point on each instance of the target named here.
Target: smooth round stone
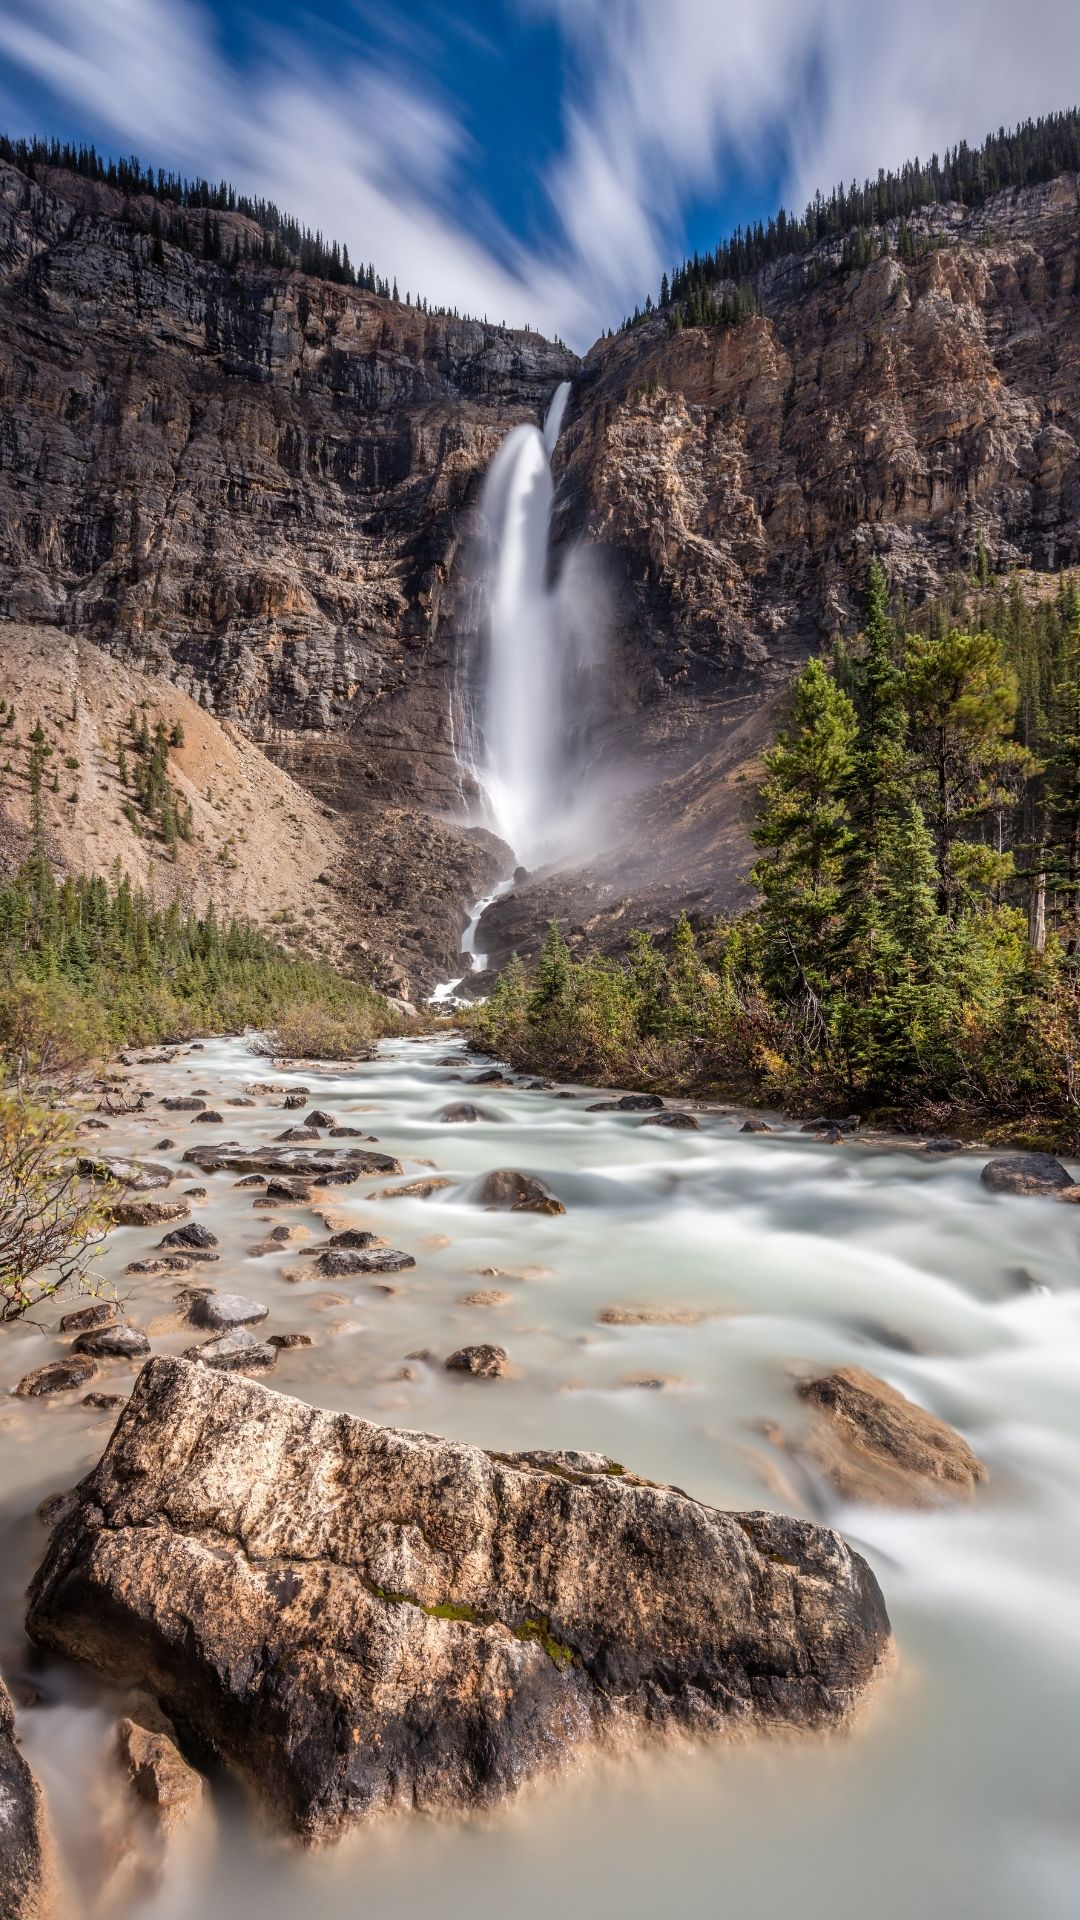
(114, 1343)
(225, 1310)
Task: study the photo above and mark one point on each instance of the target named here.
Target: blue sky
(537, 160)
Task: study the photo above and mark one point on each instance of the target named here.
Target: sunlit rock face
(739, 479)
(355, 1618)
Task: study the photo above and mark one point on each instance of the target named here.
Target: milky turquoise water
(957, 1794)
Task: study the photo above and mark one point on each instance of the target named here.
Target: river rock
(755, 1126)
(149, 1213)
(417, 1189)
(491, 1077)
(158, 1772)
(183, 1103)
(330, 1165)
(875, 1445)
(484, 1362)
(678, 1122)
(337, 1261)
(283, 1193)
(318, 1117)
(355, 1618)
(283, 1341)
(142, 1175)
(292, 1101)
(358, 1237)
(301, 1133)
(164, 1146)
(192, 1238)
(166, 1263)
(211, 1118)
(251, 1180)
(238, 1349)
(26, 1871)
(223, 1310)
(105, 1402)
(119, 1342)
(506, 1190)
(1025, 1173)
(101, 1314)
(57, 1376)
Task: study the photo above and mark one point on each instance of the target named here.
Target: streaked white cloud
(662, 98)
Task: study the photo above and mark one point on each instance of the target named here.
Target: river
(956, 1794)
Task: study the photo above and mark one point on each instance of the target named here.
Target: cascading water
(523, 720)
(525, 717)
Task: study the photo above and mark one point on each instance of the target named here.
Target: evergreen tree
(875, 788)
(962, 700)
(1063, 778)
(805, 836)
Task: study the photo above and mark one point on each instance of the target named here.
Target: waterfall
(526, 709)
(524, 725)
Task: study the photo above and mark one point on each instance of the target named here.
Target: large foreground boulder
(25, 1859)
(354, 1617)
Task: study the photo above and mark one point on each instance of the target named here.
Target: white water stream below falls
(955, 1795)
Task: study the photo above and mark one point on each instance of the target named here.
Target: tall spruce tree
(805, 836)
(875, 787)
(962, 700)
(1062, 864)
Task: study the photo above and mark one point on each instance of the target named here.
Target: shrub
(48, 1031)
(49, 1222)
(315, 1030)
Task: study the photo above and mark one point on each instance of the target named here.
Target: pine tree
(962, 700)
(875, 789)
(805, 836)
(1063, 778)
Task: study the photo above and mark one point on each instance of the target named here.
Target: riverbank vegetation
(914, 949)
(89, 964)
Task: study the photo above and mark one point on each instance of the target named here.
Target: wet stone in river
(149, 1213)
(223, 1310)
(1028, 1173)
(484, 1362)
(236, 1351)
(119, 1342)
(57, 1376)
(101, 1314)
(193, 1237)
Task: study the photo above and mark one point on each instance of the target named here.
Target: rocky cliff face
(256, 483)
(740, 478)
(252, 479)
(736, 481)
(260, 483)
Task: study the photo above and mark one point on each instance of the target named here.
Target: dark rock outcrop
(354, 1618)
(57, 1376)
(507, 1190)
(484, 1362)
(1026, 1173)
(326, 1164)
(26, 1873)
(118, 1342)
